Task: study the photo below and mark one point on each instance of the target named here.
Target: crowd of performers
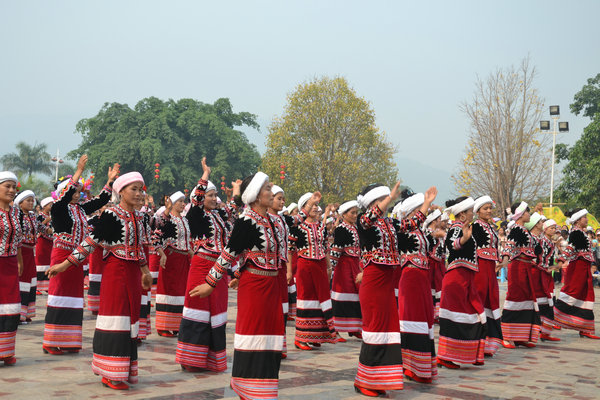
(382, 276)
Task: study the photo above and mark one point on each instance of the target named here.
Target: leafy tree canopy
(580, 184)
(175, 134)
(327, 140)
(28, 159)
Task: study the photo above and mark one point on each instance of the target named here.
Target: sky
(415, 62)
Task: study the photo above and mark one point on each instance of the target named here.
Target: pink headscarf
(125, 180)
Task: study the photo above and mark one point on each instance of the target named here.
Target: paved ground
(566, 369)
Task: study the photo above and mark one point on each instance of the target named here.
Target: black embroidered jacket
(69, 220)
(487, 240)
(345, 241)
(460, 255)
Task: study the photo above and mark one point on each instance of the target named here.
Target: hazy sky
(414, 61)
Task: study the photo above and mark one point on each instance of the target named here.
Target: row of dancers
(385, 278)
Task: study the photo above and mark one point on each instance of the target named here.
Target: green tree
(41, 187)
(175, 134)
(580, 183)
(28, 159)
(328, 141)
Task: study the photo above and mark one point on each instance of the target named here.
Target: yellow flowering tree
(327, 140)
(506, 156)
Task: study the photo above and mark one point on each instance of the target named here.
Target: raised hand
(395, 191)
(205, 169)
(113, 172)
(58, 268)
(82, 162)
(430, 194)
(236, 185)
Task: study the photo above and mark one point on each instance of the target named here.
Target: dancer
(96, 263)
(549, 250)
(64, 316)
(43, 246)
(30, 229)
(380, 361)
(462, 317)
(259, 323)
(119, 231)
(574, 308)
(521, 322)
(172, 277)
(314, 315)
(11, 266)
(486, 283)
(347, 272)
(415, 304)
(201, 341)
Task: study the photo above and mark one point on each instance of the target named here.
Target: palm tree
(28, 159)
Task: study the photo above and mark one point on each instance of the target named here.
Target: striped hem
(520, 332)
(422, 364)
(255, 388)
(461, 351)
(67, 336)
(571, 322)
(381, 377)
(115, 368)
(166, 321)
(7, 344)
(492, 345)
(201, 357)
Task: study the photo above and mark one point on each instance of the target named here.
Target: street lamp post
(57, 160)
(562, 127)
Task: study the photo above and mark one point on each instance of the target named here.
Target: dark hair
(514, 207)
(573, 211)
(450, 203)
(243, 187)
(406, 193)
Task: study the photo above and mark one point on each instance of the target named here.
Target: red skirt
(154, 267)
(201, 341)
(258, 341)
(344, 295)
(96, 269)
(170, 291)
(43, 252)
(574, 308)
(117, 325)
(28, 283)
(462, 319)
(292, 297)
(10, 305)
(520, 315)
(486, 284)
(437, 270)
(65, 305)
(283, 292)
(415, 312)
(380, 360)
(314, 315)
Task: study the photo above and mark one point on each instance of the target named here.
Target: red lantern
(157, 170)
(157, 165)
(156, 176)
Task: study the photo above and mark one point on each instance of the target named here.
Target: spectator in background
(595, 276)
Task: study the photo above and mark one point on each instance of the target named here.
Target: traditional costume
(574, 308)
(258, 338)
(345, 262)
(171, 286)
(64, 315)
(314, 315)
(486, 283)
(10, 299)
(520, 315)
(415, 304)
(201, 340)
(43, 248)
(462, 316)
(380, 360)
(28, 279)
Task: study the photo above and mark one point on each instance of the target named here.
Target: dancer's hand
(163, 260)
(430, 194)
(203, 290)
(467, 232)
(113, 172)
(235, 282)
(205, 169)
(58, 268)
(146, 280)
(358, 277)
(395, 191)
(82, 162)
